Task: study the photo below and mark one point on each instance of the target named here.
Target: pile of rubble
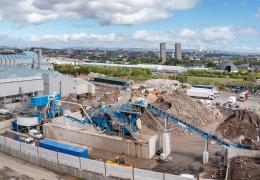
(164, 85)
(244, 168)
(213, 171)
(240, 126)
(111, 97)
(187, 109)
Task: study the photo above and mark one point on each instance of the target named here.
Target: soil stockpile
(244, 168)
(187, 109)
(241, 123)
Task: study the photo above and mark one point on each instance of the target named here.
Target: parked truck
(232, 103)
(201, 93)
(212, 88)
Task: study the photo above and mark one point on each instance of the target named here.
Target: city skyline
(226, 25)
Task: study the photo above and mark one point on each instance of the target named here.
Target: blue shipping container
(63, 148)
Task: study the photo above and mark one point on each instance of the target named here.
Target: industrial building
(27, 59)
(178, 53)
(163, 52)
(228, 66)
(152, 67)
(65, 85)
(21, 82)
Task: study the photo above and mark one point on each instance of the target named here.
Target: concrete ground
(253, 101)
(187, 151)
(12, 168)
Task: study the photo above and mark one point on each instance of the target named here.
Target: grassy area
(191, 77)
(216, 81)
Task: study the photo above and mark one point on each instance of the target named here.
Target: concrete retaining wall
(76, 166)
(175, 177)
(93, 166)
(48, 155)
(69, 160)
(100, 141)
(119, 171)
(140, 174)
(234, 152)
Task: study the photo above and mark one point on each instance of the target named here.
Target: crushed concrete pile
(241, 124)
(187, 109)
(244, 168)
(111, 97)
(213, 171)
(164, 85)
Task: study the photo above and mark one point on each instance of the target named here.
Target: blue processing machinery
(124, 119)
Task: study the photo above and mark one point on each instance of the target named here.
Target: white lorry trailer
(201, 93)
(212, 88)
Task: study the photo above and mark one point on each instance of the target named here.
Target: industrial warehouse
(96, 127)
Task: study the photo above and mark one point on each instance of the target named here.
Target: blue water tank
(39, 101)
(63, 148)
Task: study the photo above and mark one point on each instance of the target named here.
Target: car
(35, 134)
(24, 140)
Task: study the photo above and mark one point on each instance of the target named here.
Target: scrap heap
(244, 168)
(185, 108)
(240, 126)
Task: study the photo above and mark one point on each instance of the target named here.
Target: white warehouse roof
(153, 67)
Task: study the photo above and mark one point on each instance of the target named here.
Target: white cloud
(219, 38)
(104, 11)
(187, 33)
(216, 34)
(74, 37)
(247, 31)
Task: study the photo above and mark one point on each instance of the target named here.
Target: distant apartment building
(163, 52)
(178, 53)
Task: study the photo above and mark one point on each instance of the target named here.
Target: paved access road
(253, 101)
(12, 168)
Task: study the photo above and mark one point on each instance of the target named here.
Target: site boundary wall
(77, 166)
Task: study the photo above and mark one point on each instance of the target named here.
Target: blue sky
(232, 25)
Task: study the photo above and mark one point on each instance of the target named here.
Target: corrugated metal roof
(7, 72)
(23, 59)
(25, 55)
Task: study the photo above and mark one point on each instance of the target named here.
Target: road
(253, 102)
(12, 168)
